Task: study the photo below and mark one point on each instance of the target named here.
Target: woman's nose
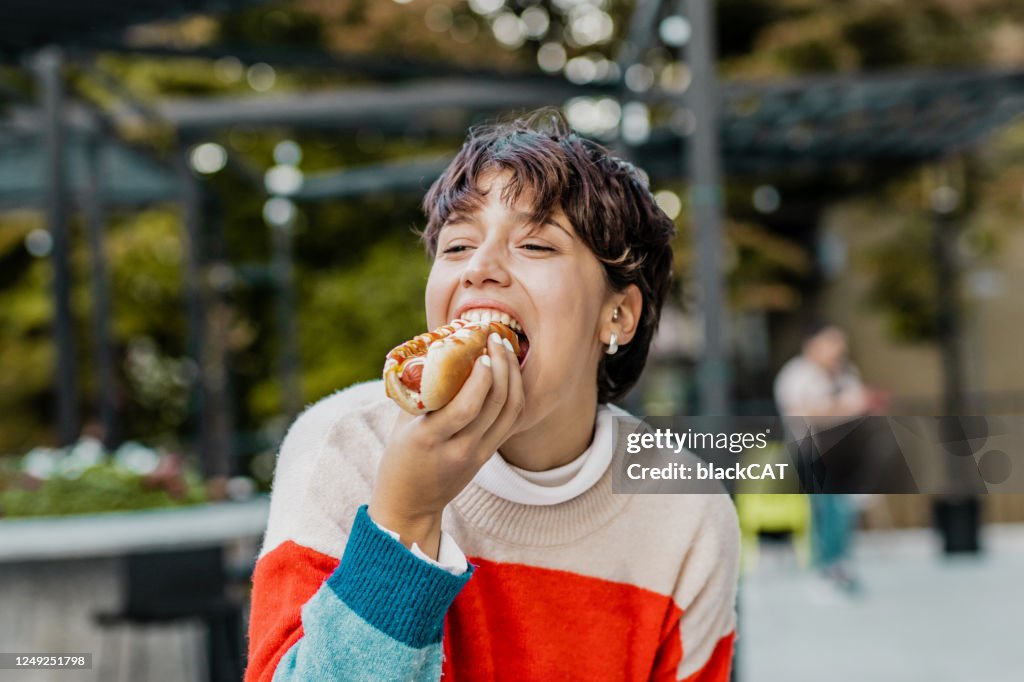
(487, 265)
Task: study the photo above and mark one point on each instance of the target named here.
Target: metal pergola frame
(815, 124)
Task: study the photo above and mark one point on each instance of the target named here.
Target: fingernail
(508, 344)
(486, 360)
(494, 337)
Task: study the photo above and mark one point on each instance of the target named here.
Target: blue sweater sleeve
(379, 616)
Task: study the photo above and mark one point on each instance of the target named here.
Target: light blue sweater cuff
(390, 588)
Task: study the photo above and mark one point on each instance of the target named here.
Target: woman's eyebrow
(528, 218)
(459, 217)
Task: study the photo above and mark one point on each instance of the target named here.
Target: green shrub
(102, 487)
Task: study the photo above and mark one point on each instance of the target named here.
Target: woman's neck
(562, 436)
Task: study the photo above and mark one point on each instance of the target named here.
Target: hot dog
(425, 373)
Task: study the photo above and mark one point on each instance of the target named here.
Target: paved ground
(922, 617)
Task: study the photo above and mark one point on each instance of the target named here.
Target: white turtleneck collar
(557, 485)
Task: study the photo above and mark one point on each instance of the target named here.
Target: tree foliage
(360, 272)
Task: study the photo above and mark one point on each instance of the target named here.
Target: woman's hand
(429, 459)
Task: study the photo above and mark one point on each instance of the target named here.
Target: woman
(564, 579)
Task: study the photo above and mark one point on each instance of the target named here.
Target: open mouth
(524, 347)
(492, 315)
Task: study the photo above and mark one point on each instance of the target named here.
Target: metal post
(195, 298)
(93, 203)
(957, 514)
(218, 455)
(642, 29)
(219, 277)
(48, 64)
(947, 313)
(707, 203)
(284, 275)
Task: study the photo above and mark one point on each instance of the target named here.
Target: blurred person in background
(821, 383)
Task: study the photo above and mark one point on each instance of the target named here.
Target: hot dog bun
(438, 363)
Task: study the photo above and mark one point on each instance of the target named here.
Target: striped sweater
(599, 587)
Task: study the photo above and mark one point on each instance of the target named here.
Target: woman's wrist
(423, 529)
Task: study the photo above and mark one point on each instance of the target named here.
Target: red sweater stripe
(613, 633)
(284, 580)
(617, 630)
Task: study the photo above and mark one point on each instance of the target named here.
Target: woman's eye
(537, 247)
(457, 248)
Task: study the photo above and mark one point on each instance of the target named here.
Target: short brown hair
(607, 200)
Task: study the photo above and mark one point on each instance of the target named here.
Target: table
(57, 572)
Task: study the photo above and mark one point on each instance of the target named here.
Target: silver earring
(615, 315)
(613, 344)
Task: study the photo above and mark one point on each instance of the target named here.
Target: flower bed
(84, 479)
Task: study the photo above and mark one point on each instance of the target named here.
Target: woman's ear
(622, 315)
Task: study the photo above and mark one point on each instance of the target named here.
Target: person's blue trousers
(832, 524)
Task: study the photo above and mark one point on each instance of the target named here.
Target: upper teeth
(491, 315)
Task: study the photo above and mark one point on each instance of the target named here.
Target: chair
(176, 586)
(771, 508)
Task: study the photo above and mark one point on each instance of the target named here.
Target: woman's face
(544, 277)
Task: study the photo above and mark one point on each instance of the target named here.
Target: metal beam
(435, 105)
(390, 67)
(407, 174)
(27, 26)
(641, 30)
(631, 51)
